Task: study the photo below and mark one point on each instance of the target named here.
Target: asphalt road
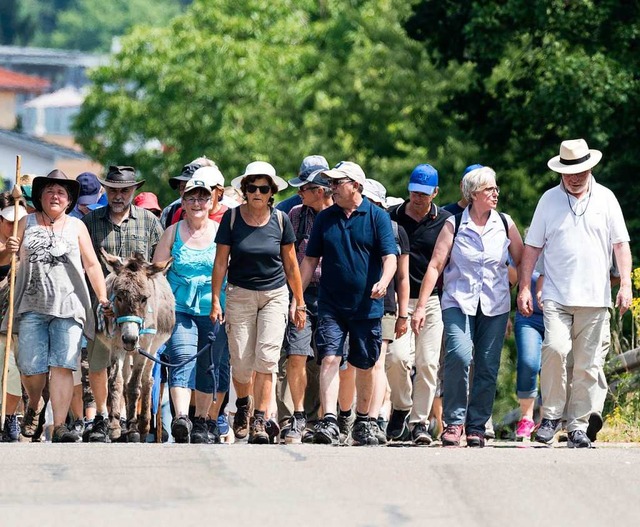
(235, 485)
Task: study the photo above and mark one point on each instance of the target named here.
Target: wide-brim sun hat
(59, 178)
(575, 157)
(121, 177)
(260, 168)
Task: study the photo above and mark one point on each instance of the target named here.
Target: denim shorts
(302, 342)
(190, 335)
(47, 342)
(365, 339)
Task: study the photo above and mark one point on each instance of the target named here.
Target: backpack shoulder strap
(458, 221)
(504, 222)
(233, 217)
(280, 215)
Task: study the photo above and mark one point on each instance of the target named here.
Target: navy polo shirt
(351, 250)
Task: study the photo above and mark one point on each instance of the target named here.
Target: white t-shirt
(577, 237)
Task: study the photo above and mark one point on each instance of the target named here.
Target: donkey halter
(136, 320)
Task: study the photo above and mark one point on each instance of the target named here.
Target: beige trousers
(423, 351)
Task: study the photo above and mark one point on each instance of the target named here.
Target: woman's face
(487, 196)
(54, 199)
(6, 227)
(197, 203)
(259, 193)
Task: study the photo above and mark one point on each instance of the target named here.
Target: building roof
(14, 55)
(12, 81)
(22, 142)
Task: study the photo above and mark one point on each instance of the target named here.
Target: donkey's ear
(158, 267)
(113, 263)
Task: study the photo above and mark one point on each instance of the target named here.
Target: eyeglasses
(491, 190)
(264, 189)
(305, 188)
(338, 182)
(192, 201)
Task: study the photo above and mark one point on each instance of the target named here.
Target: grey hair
(475, 180)
(327, 192)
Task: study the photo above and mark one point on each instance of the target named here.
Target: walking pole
(17, 194)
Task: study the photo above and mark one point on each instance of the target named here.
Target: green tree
(276, 81)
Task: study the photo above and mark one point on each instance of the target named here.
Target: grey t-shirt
(255, 251)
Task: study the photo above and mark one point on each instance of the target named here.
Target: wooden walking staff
(17, 194)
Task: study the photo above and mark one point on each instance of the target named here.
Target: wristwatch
(301, 308)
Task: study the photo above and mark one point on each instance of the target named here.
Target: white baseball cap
(347, 169)
(210, 175)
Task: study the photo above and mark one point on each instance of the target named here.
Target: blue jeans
(190, 335)
(529, 333)
(468, 339)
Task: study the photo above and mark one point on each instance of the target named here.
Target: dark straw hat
(57, 177)
(121, 177)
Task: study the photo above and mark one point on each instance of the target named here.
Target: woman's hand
(13, 244)
(300, 318)
(107, 307)
(418, 319)
(216, 314)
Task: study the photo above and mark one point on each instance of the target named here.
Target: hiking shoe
(451, 435)
(293, 435)
(241, 419)
(377, 432)
(181, 429)
(223, 424)
(30, 422)
(88, 426)
(489, 432)
(257, 432)
(326, 433)
(345, 425)
(420, 434)
(524, 429)
(578, 439)
(272, 428)
(475, 439)
(595, 425)
(398, 427)
(199, 432)
(99, 431)
(11, 429)
(362, 434)
(382, 425)
(307, 434)
(62, 434)
(213, 431)
(546, 430)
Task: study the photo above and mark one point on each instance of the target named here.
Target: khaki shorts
(99, 355)
(256, 323)
(14, 387)
(389, 327)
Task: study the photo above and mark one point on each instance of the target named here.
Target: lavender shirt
(477, 272)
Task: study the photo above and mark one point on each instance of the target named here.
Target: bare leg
(364, 390)
(77, 404)
(181, 398)
(330, 383)
(297, 378)
(347, 390)
(203, 403)
(379, 383)
(263, 383)
(99, 386)
(34, 384)
(61, 392)
(12, 403)
(214, 408)
(526, 407)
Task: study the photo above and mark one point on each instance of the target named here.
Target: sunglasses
(264, 189)
(338, 182)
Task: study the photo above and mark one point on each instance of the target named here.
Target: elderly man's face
(420, 200)
(120, 199)
(576, 184)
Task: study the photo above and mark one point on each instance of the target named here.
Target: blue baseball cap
(424, 178)
(470, 168)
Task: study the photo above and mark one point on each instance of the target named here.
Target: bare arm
(402, 291)
(292, 270)
(163, 250)
(307, 268)
(623, 259)
(529, 258)
(91, 264)
(389, 266)
(220, 267)
(435, 267)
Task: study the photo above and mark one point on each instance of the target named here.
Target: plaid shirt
(140, 232)
(302, 218)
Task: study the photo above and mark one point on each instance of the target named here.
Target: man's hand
(525, 302)
(378, 290)
(402, 326)
(418, 319)
(623, 298)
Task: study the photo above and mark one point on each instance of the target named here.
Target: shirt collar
(431, 215)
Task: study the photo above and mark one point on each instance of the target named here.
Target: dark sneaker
(475, 439)
(62, 434)
(547, 429)
(326, 433)
(296, 427)
(420, 434)
(88, 426)
(362, 434)
(214, 431)
(307, 434)
(257, 431)
(451, 435)
(273, 431)
(181, 429)
(595, 425)
(578, 439)
(241, 419)
(378, 432)
(11, 429)
(30, 422)
(398, 427)
(99, 431)
(345, 425)
(199, 432)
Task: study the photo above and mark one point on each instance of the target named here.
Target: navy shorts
(365, 339)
